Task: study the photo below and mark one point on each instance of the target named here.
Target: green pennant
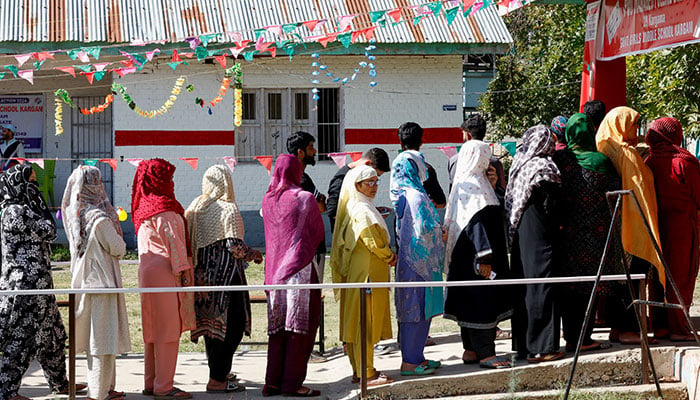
(417, 19)
(38, 65)
(201, 53)
(174, 65)
(451, 14)
(2, 75)
(282, 43)
(84, 68)
(73, 54)
(510, 146)
(212, 53)
(459, 147)
(248, 55)
(382, 23)
(208, 38)
(12, 69)
(99, 75)
(375, 16)
(345, 39)
(93, 51)
(487, 3)
(435, 7)
(467, 12)
(258, 33)
(290, 51)
(289, 28)
(301, 40)
(139, 59)
(90, 162)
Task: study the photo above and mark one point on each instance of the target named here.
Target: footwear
(429, 342)
(495, 363)
(379, 379)
(174, 393)
(147, 392)
(79, 387)
(308, 393)
(231, 377)
(114, 395)
(633, 338)
(383, 349)
(585, 347)
(674, 337)
(355, 379)
(545, 357)
(269, 390)
(471, 357)
(433, 364)
(614, 336)
(501, 334)
(231, 387)
(19, 397)
(419, 370)
(467, 362)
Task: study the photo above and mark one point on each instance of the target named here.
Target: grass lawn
(255, 276)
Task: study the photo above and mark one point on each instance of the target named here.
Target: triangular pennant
(242, 45)
(139, 59)
(230, 162)
(355, 155)
(451, 14)
(345, 39)
(344, 22)
(449, 151)
(339, 159)
(188, 55)
(205, 39)
(375, 16)
(37, 161)
(274, 29)
(273, 51)
(235, 36)
(127, 63)
(289, 28)
(201, 53)
(89, 75)
(152, 53)
(369, 32)
(100, 66)
(84, 68)
(235, 51)
(194, 42)
(112, 162)
(175, 58)
(259, 33)
(43, 55)
(12, 69)
(83, 57)
(248, 56)
(435, 7)
(21, 59)
(355, 35)
(281, 43)
(125, 71)
(311, 25)
(27, 75)
(99, 75)
(190, 160)
(93, 51)
(2, 75)
(395, 14)
(134, 161)
(90, 161)
(38, 65)
(73, 54)
(510, 146)
(265, 161)
(467, 4)
(221, 60)
(290, 51)
(68, 70)
(417, 19)
(323, 41)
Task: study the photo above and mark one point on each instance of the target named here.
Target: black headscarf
(16, 188)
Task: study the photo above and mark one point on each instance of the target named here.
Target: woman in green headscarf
(586, 175)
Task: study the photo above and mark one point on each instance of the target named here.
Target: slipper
(379, 379)
(545, 357)
(501, 334)
(231, 387)
(681, 338)
(355, 379)
(433, 364)
(309, 393)
(472, 361)
(419, 370)
(114, 395)
(231, 377)
(589, 347)
(174, 393)
(79, 388)
(269, 390)
(492, 363)
(19, 397)
(429, 342)
(147, 392)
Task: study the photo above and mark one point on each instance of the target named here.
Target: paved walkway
(332, 377)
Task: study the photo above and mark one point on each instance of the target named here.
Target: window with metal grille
(249, 106)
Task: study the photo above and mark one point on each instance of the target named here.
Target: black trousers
(480, 341)
(220, 353)
(573, 312)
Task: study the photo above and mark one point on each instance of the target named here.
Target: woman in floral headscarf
(677, 181)
(216, 239)
(96, 245)
(30, 326)
(164, 261)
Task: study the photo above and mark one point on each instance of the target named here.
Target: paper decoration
(395, 14)
(125, 71)
(112, 162)
(451, 14)
(274, 29)
(230, 162)
(27, 75)
(289, 28)
(449, 151)
(21, 59)
(91, 162)
(510, 146)
(117, 88)
(338, 158)
(235, 51)
(99, 108)
(83, 56)
(265, 161)
(12, 69)
(151, 54)
(248, 56)
(221, 60)
(235, 36)
(68, 70)
(237, 73)
(225, 83)
(37, 161)
(344, 22)
(375, 16)
(38, 65)
(355, 155)
(193, 42)
(100, 66)
(134, 161)
(121, 214)
(192, 161)
(58, 116)
(205, 39)
(435, 7)
(2, 75)
(43, 55)
(345, 39)
(311, 25)
(321, 69)
(84, 68)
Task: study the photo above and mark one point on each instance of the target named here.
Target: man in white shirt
(10, 147)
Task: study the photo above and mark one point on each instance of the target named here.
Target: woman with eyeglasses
(361, 252)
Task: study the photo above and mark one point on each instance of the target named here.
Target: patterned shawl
(664, 137)
(16, 188)
(532, 165)
(84, 203)
(293, 224)
(471, 192)
(214, 215)
(421, 171)
(581, 139)
(153, 191)
(615, 134)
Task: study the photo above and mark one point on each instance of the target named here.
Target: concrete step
(671, 391)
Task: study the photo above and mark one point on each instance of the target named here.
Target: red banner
(640, 26)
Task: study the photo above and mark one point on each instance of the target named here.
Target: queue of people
(548, 218)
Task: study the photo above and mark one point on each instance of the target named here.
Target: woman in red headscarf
(163, 262)
(677, 180)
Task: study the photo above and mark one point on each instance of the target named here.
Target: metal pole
(643, 331)
(363, 345)
(71, 347)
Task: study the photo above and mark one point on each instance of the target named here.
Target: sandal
(355, 379)
(79, 387)
(231, 387)
(433, 364)
(269, 390)
(174, 393)
(589, 347)
(495, 363)
(308, 393)
(379, 379)
(419, 370)
(501, 334)
(674, 337)
(114, 395)
(147, 392)
(545, 357)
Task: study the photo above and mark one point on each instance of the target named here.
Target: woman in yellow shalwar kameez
(361, 253)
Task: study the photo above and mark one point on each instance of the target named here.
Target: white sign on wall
(27, 114)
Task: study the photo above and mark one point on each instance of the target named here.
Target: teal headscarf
(580, 138)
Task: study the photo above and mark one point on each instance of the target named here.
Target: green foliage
(539, 78)
(59, 253)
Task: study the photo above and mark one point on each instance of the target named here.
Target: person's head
(621, 124)
(301, 145)
(558, 126)
(378, 159)
(367, 181)
(580, 133)
(595, 109)
(474, 128)
(664, 131)
(8, 131)
(410, 136)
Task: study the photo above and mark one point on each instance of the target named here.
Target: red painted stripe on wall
(389, 136)
(174, 138)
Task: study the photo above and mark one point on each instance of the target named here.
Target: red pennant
(265, 161)
(369, 33)
(328, 38)
(395, 14)
(188, 55)
(176, 58)
(190, 160)
(273, 51)
(311, 25)
(355, 35)
(469, 3)
(68, 70)
(243, 44)
(89, 75)
(221, 60)
(41, 56)
(112, 162)
(355, 155)
(130, 63)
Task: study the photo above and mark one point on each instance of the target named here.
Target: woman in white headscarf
(221, 257)
(476, 250)
(96, 245)
(361, 253)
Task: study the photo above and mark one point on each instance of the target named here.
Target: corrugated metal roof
(118, 21)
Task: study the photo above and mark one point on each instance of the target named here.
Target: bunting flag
(510, 146)
(289, 28)
(369, 33)
(355, 155)
(89, 75)
(230, 162)
(93, 51)
(235, 36)
(395, 14)
(274, 29)
(21, 59)
(451, 14)
(151, 54)
(38, 65)
(311, 25)
(345, 39)
(375, 16)
(338, 158)
(265, 161)
(2, 75)
(435, 7)
(272, 51)
(125, 71)
(100, 66)
(176, 57)
(235, 51)
(205, 39)
(194, 42)
(83, 56)
(129, 63)
(90, 162)
(221, 60)
(192, 161)
(449, 151)
(248, 56)
(354, 35)
(27, 75)
(134, 161)
(84, 68)
(41, 56)
(37, 161)
(258, 33)
(242, 44)
(112, 162)
(12, 69)
(344, 22)
(327, 39)
(68, 70)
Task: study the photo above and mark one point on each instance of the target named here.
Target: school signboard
(27, 114)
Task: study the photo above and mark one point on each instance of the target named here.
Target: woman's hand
(485, 271)
(393, 261)
(444, 234)
(187, 277)
(255, 256)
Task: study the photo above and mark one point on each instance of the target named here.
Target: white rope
(360, 285)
